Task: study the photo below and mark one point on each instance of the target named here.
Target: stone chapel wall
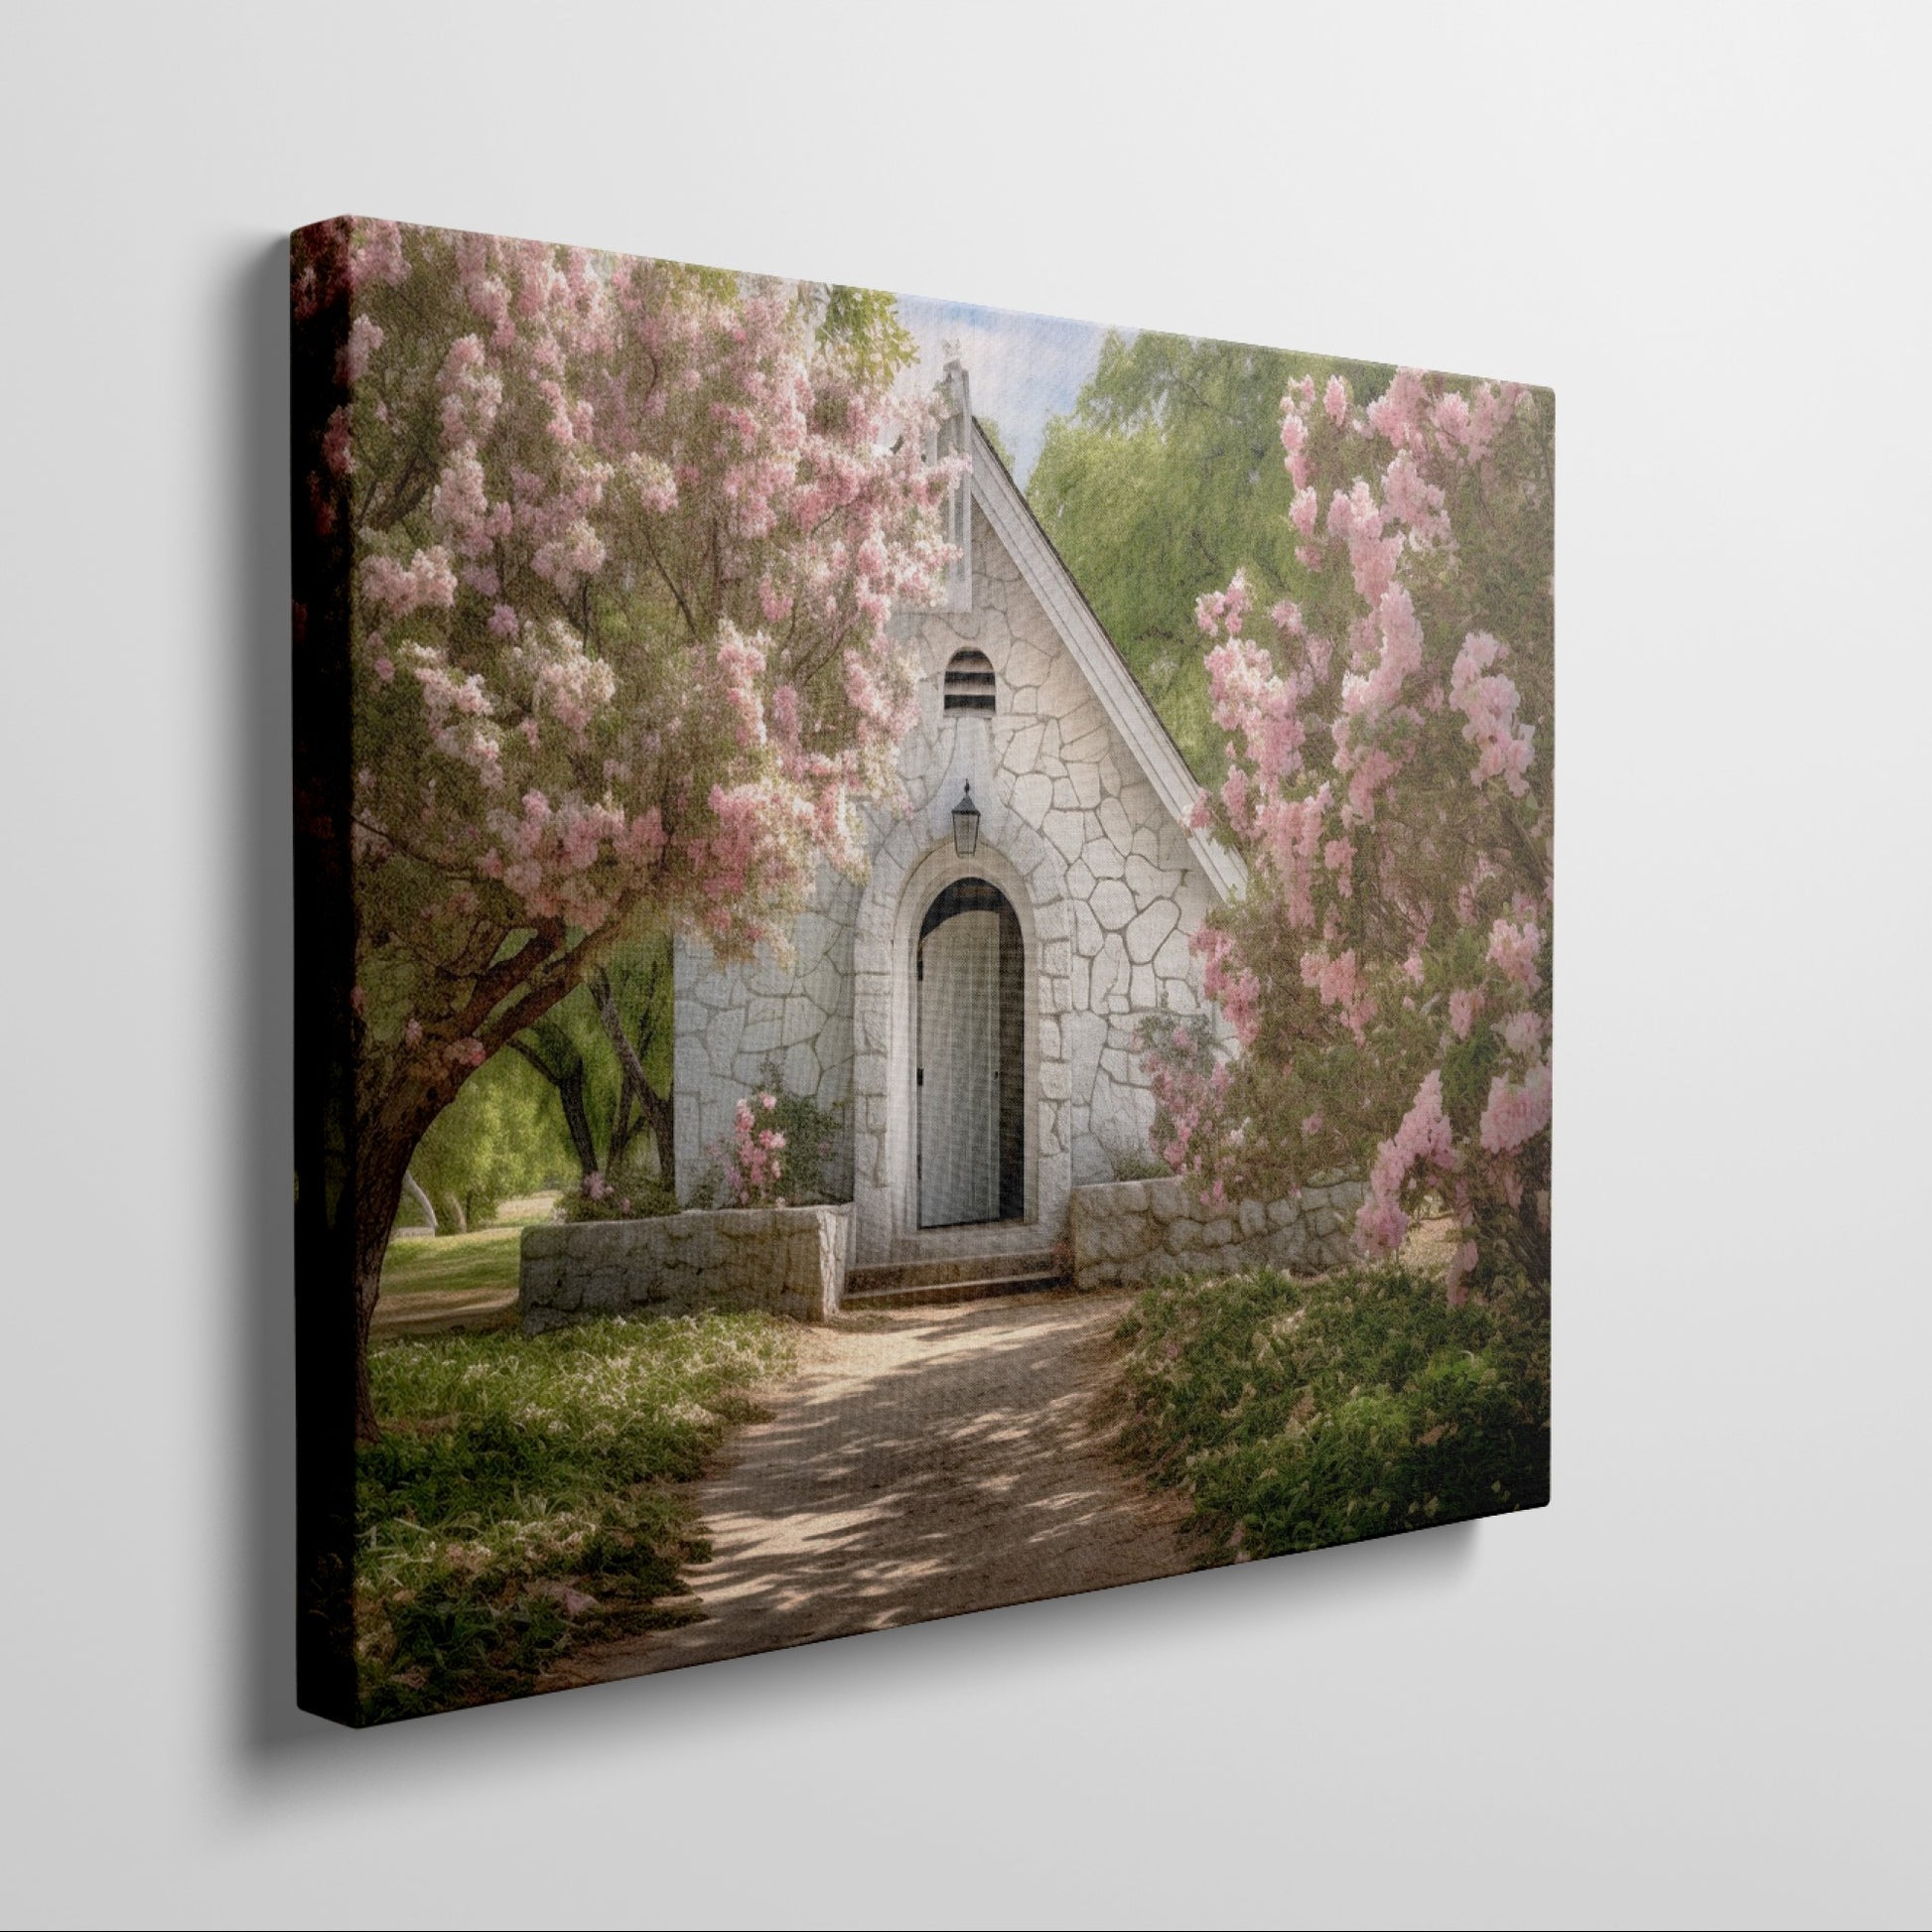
(1133, 887)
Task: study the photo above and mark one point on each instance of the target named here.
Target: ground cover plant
(524, 1495)
(1298, 1413)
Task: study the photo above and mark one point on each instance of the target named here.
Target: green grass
(485, 1259)
(1302, 1414)
(525, 1495)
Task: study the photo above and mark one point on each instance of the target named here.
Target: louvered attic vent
(969, 681)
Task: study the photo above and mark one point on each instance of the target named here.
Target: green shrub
(523, 1496)
(626, 1199)
(814, 1168)
(1303, 1414)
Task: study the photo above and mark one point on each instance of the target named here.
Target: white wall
(1695, 1690)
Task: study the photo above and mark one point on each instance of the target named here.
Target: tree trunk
(569, 1082)
(385, 1146)
(657, 1111)
(661, 1112)
(413, 1188)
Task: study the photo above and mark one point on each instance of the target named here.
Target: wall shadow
(257, 943)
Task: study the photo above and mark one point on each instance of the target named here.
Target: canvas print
(924, 958)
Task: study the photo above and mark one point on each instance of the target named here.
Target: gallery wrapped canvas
(924, 958)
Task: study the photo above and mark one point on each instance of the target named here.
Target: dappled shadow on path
(947, 1460)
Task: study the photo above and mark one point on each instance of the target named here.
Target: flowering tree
(1386, 979)
(621, 539)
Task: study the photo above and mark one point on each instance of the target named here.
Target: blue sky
(1023, 368)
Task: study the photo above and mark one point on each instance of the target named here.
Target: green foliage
(500, 1136)
(812, 1139)
(522, 1499)
(991, 431)
(635, 1198)
(1303, 1414)
(864, 323)
(811, 1167)
(1166, 479)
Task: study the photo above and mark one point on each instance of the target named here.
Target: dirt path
(927, 1463)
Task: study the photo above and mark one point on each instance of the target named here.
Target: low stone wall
(1130, 1233)
(785, 1260)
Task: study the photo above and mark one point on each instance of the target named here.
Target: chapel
(969, 1011)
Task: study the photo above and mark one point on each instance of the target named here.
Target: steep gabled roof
(1127, 706)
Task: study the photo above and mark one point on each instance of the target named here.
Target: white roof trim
(1121, 698)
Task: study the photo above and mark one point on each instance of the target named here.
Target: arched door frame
(1010, 1132)
(908, 872)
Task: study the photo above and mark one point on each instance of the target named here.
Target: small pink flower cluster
(1513, 950)
(1514, 1113)
(1188, 1082)
(1489, 704)
(1337, 983)
(1423, 1139)
(751, 1160)
(1227, 981)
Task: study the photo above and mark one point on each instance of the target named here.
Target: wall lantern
(965, 824)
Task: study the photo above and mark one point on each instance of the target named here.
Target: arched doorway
(970, 1047)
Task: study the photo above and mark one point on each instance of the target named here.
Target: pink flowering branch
(1385, 983)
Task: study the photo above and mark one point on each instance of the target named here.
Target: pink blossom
(1218, 611)
(1228, 981)
(1515, 1113)
(1523, 1031)
(1489, 704)
(751, 1156)
(426, 582)
(365, 338)
(1424, 1136)
(1397, 414)
(1417, 502)
(1513, 950)
(1337, 983)
(1295, 438)
(1464, 1004)
(338, 451)
(1334, 400)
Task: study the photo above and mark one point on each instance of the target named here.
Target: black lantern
(965, 824)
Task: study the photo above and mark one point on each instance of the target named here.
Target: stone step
(958, 1268)
(930, 1294)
